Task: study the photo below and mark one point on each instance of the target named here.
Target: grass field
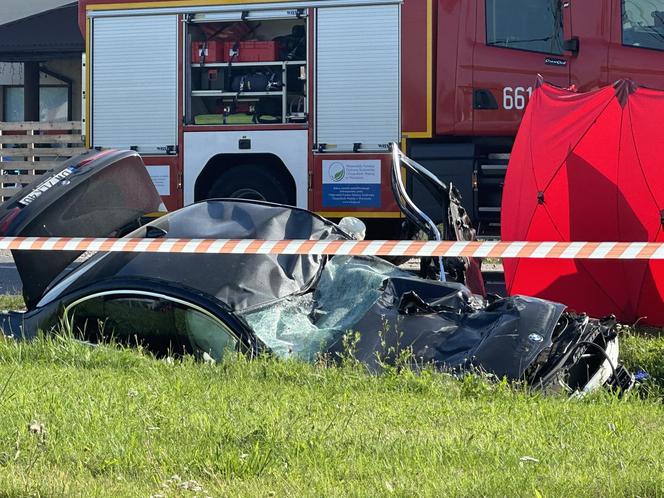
(11, 302)
(106, 421)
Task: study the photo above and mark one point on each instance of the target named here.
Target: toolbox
(208, 51)
(252, 51)
(226, 51)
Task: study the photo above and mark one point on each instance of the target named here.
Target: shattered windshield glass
(303, 326)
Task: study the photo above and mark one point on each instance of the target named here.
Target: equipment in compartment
(258, 63)
(217, 42)
(293, 47)
(252, 51)
(297, 111)
(264, 110)
(257, 81)
(268, 111)
(207, 51)
(209, 119)
(229, 51)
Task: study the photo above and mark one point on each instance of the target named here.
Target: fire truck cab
(488, 56)
(297, 101)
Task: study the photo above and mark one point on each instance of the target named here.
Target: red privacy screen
(589, 167)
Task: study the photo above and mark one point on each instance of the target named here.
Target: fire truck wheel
(250, 182)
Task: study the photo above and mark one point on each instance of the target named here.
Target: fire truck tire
(250, 182)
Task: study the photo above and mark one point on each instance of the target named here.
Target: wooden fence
(28, 149)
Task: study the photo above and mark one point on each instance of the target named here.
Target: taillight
(94, 157)
(6, 220)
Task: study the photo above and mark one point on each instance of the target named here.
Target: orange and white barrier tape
(414, 248)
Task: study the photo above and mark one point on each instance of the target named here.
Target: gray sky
(11, 10)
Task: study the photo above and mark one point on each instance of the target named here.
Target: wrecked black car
(288, 305)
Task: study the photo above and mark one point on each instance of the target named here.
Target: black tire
(249, 181)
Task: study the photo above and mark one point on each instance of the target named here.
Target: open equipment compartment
(246, 68)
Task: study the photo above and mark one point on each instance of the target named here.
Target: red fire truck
(297, 101)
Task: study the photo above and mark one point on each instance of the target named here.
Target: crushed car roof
(289, 305)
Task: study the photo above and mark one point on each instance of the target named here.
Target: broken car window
(304, 326)
(167, 326)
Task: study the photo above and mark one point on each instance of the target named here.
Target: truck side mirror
(571, 45)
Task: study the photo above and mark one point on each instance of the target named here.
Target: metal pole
(31, 91)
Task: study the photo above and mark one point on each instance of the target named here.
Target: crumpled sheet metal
(440, 323)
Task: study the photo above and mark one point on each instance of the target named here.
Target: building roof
(13, 10)
(48, 34)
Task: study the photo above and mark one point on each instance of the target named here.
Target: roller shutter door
(134, 82)
(358, 76)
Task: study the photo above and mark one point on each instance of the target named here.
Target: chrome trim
(399, 158)
(155, 295)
